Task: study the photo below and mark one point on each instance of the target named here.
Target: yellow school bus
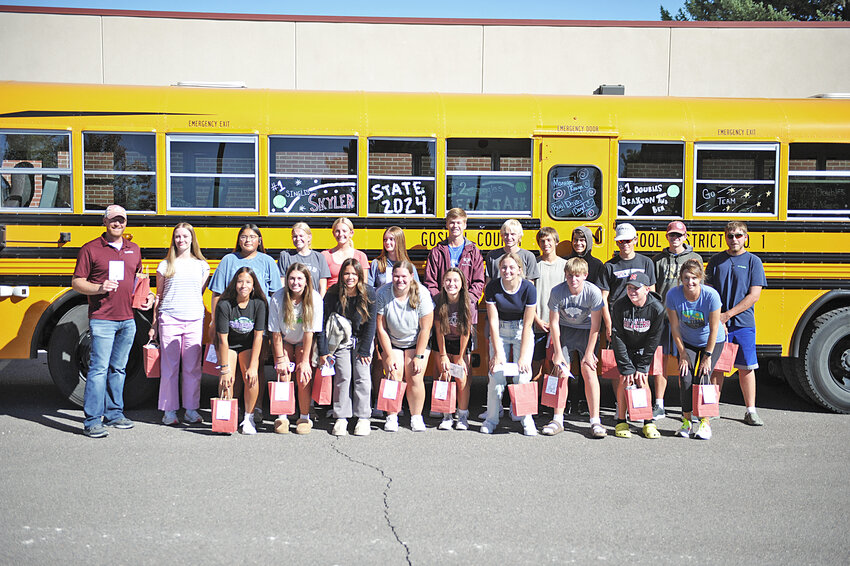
(219, 158)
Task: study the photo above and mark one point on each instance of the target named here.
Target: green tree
(755, 10)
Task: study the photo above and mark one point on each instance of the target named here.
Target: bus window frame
(494, 173)
(151, 173)
(736, 146)
(801, 214)
(369, 176)
(212, 138)
(69, 171)
(355, 177)
(652, 179)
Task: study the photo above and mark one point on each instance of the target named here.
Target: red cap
(677, 226)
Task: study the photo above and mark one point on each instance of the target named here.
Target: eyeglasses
(246, 237)
(736, 236)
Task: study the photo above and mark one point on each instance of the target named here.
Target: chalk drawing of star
(728, 208)
(297, 182)
(732, 191)
(768, 193)
(747, 194)
(302, 208)
(758, 204)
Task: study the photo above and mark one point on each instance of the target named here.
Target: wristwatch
(419, 356)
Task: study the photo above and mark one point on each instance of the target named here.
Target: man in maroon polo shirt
(106, 272)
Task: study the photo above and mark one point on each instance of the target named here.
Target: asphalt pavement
(182, 495)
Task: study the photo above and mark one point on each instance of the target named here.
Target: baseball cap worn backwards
(625, 232)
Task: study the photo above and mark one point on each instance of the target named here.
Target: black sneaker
(123, 422)
(658, 412)
(97, 431)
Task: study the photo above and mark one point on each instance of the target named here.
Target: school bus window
(402, 176)
(312, 175)
(736, 178)
(212, 172)
(489, 176)
(651, 177)
(119, 168)
(819, 180)
(574, 192)
(35, 170)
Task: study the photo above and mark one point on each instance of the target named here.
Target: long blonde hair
(195, 250)
(400, 248)
(413, 290)
(306, 298)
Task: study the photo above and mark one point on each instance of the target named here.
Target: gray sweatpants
(352, 385)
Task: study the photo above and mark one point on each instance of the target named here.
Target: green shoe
(622, 430)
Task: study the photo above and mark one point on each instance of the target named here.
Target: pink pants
(180, 340)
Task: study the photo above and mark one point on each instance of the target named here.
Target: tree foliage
(755, 10)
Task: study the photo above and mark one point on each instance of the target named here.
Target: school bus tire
(826, 360)
(793, 374)
(68, 355)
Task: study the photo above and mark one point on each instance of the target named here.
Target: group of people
(368, 321)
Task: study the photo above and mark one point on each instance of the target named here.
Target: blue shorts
(745, 338)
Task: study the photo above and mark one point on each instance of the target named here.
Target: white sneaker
(528, 426)
(340, 427)
(248, 425)
(487, 427)
(192, 417)
(392, 423)
(462, 422)
(170, 418)
(363, 427)
(446, 423)
(417, 423)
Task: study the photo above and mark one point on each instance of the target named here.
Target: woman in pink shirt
(343, 231)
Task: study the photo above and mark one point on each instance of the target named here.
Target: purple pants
(180, 341)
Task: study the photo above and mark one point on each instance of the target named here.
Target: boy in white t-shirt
(550, 266)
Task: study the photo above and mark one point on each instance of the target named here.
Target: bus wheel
(68, 353)
(794, 375)
(826, 362)
(68, 359)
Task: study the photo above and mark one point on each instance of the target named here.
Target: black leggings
(686, 382)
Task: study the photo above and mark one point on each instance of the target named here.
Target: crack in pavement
(386, 494)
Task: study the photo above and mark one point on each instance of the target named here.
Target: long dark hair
(361, 295)
(229, 293)
(463, 312)
(254, 228)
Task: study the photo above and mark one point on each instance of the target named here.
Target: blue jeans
(111, 341)
(510, 331)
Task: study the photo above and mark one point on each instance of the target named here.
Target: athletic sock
(660, 402)
(558, 419)
(751, 409)
(595, 420)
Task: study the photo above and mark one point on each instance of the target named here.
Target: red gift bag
(390, 395)
(554, 391)
(210, 361)
(141, 290)
(523, 398)
(323, 386)
(706, 400)
(281, 397)
(151, 359)
(657, 365)
(224, 414)
(608, 365)
(639, 403)
(443, 397)
(726, 361)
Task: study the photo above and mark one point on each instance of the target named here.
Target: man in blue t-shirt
(739, 277)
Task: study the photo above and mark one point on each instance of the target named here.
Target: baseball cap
(677, 226)
(114, 210)
(625, 232)
(638, 279)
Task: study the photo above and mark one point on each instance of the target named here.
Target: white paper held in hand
(116, 270)
(390, 389)
(291, 367)
(510, 369)
(281, 391)
(709, 394)
(640, 399)
(222, 410)
(211, 355)
(328, 369)
(551, 385)
(455, 370)
(441, 390)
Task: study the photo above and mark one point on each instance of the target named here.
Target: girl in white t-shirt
(405, 315)
(295, 315)
(179, 314)
(453, 329)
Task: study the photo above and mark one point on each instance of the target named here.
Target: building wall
(651, 58)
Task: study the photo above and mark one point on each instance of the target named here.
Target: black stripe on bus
(752, 225)
(260, 221)
(80, 113)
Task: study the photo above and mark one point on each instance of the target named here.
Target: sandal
(303, 426)
(553, 428)
(598, 431)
